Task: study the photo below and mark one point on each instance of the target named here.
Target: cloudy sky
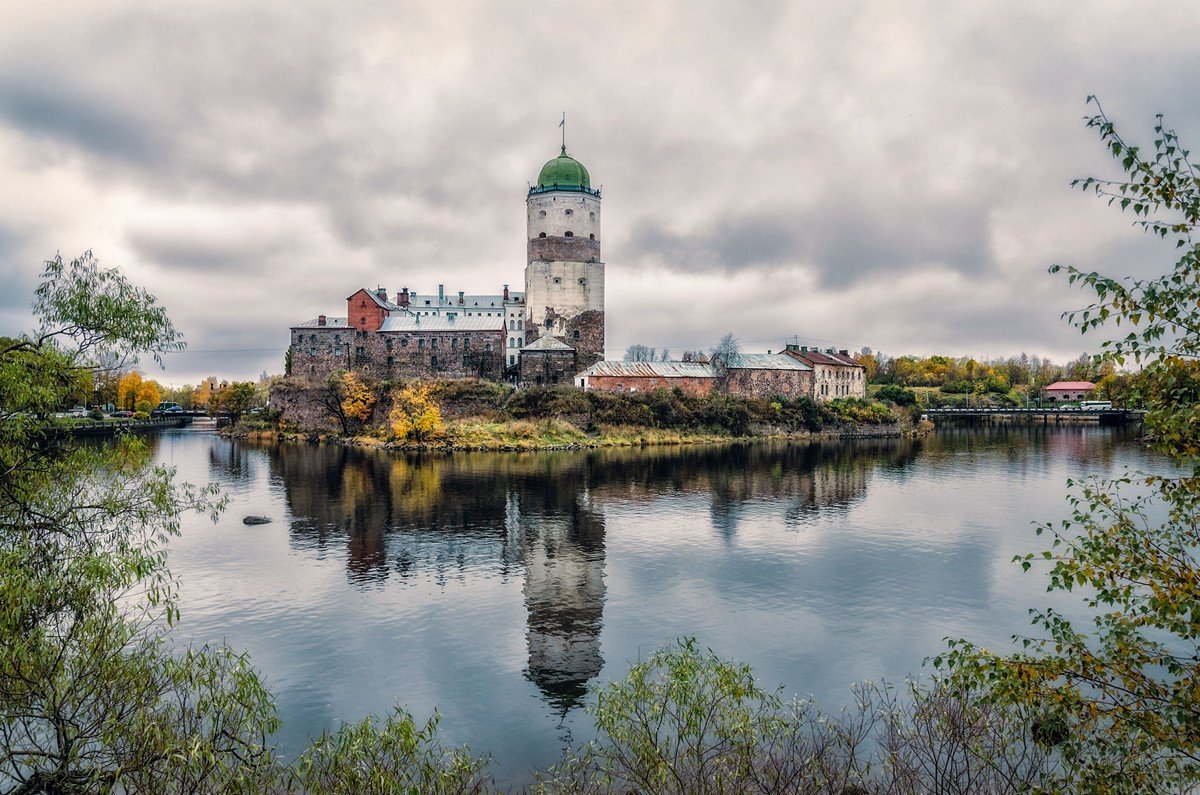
(892, 175)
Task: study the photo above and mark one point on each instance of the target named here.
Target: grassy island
(484, 415)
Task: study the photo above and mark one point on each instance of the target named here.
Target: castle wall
(318, 352)
(756, 383)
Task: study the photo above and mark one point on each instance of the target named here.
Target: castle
(550, 333)
(543, 335)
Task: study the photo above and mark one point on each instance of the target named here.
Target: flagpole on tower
(563, 125)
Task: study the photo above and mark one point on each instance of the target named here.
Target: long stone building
(560, 313)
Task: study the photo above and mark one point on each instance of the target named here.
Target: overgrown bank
(484, 415)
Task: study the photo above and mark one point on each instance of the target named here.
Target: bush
(686, 721)
(897, 394)
(96, 414)
(141, 415)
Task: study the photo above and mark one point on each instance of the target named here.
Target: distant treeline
(965, 374)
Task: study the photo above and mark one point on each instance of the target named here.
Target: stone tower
(564, 277)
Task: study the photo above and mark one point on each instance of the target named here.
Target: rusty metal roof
(767, 361)
(1073, 386)
(651, 370)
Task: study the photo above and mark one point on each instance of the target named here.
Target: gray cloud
(820, 151)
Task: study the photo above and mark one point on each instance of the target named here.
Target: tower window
(593, 216)
(593, 237)
(557, 280)
(569, 212)
(543, 234)
(541, 213)
(568, 234)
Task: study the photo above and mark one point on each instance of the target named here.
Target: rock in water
(256, 520)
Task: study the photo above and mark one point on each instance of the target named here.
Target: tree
(92, 695)
(415, 415)
(234, 399)
(148, 391)
(127, 388)
(1118, 698)
(639, 353)
(358, 399)
(725, 353)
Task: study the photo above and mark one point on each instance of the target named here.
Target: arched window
(541, 213)
(568, 234)
(543, 234)
(362, 321)
(521, 325)
(569, 212)
(593, 216)
(593, 237)
(512, 343)
(512, 325)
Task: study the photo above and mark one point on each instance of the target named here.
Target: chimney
(460, 297)
(320, 320)
(441, 294)
(844, 353)
(804, 348)
(768, 351)
(402, 297)
(506, 292)
(382, 293)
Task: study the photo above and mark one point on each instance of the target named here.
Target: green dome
(564, 171)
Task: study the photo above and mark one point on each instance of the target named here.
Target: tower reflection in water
(539, 518)
(460, 517)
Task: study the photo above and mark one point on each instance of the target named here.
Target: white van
(1095, 405)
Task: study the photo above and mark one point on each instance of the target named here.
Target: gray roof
(767, 361)
(651, 369)
(472, 302)
(441, 323)
(547, 343)
(330, 322)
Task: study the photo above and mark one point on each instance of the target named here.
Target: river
(496, 587)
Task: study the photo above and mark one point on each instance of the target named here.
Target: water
(495, 588)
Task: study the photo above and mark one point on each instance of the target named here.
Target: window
(312, 351)
(512, 343)
(593, 216)
(389, 343)
(362, 321)
(575, 334)
(465, 362)
(433, 343)
(466, 342)
(359, 352)
(582, 280)
(512, 325)
(592, 237)
(488, 347)
(512, 359)
(569, 212)
(541, 213)
(433, 361)
(520, 325)
(557, 280)
(568, 234)
(543, 234)
(404, 342)
(454, 342)
(421, 342)
(362, 303)
(391, 361)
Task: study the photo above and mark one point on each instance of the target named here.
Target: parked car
(122, 413)
(78, 411)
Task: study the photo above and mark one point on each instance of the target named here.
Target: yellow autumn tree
(415, 415)
(127, 389)
(358, 400)
(149, 391)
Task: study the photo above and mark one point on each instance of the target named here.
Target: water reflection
(403, 518)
